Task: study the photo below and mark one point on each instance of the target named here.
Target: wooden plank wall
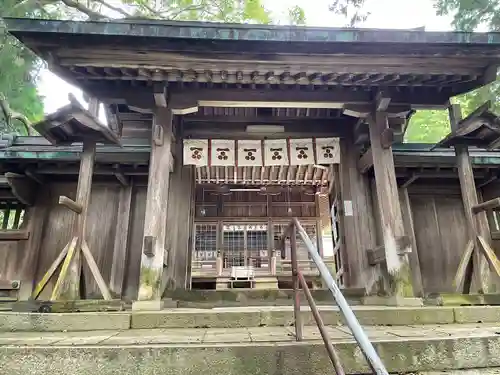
(100, 234)
(440, 232)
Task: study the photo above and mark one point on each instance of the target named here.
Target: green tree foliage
(18, 68)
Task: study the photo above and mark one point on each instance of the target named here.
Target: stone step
(264, 316)
(253, 297)
(247, 351)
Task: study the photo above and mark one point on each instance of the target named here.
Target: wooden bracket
(493, 204)
(365, 162)
(148, 246)
(377, 255)
(387, 138)
(160, 94)
(158, 134)
(71, 204)
(382, 101)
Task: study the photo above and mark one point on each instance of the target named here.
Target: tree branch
(10, 116)
(82, 8)
(113, 8)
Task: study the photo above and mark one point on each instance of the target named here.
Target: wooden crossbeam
(493, 204)
(71, 204)
(14, 235)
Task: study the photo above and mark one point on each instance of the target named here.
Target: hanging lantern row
(251, 153)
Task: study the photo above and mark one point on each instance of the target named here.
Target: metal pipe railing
(332, 353)
(364, 343)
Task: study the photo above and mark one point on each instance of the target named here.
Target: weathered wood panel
(360, 231)
(441, 237)
(8, 260)
(99, 234)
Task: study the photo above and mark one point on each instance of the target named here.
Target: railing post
(364, 343)
(332, 353)
(218, 265)
(296, 284)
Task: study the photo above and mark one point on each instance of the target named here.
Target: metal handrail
(359, 334)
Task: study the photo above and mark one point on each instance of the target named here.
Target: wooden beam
(469, 199)
(365, 162)
(120, 246)
(364, 110)
(14, 235)
(461, 273)
(389, 209)
(490, 256)
(156, 210)
(94, 268)
(71, 204)
(10, 284)
(491, 205)
(290, 98)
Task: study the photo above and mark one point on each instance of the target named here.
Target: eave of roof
(250, 32)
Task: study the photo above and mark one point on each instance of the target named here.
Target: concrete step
(247, 351)
(264, 316)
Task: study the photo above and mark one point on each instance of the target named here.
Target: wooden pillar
(469, 198)
(325, 225)
(173, 220)
(120, 247)
(153, 246)
(389, 208)
(184, 229)
(357, 219)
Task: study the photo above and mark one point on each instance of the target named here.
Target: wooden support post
(416, 274)
(121, 240)
(156, 208)
(469, 198)
(67, 286)
(400, 284)
(356, 220)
